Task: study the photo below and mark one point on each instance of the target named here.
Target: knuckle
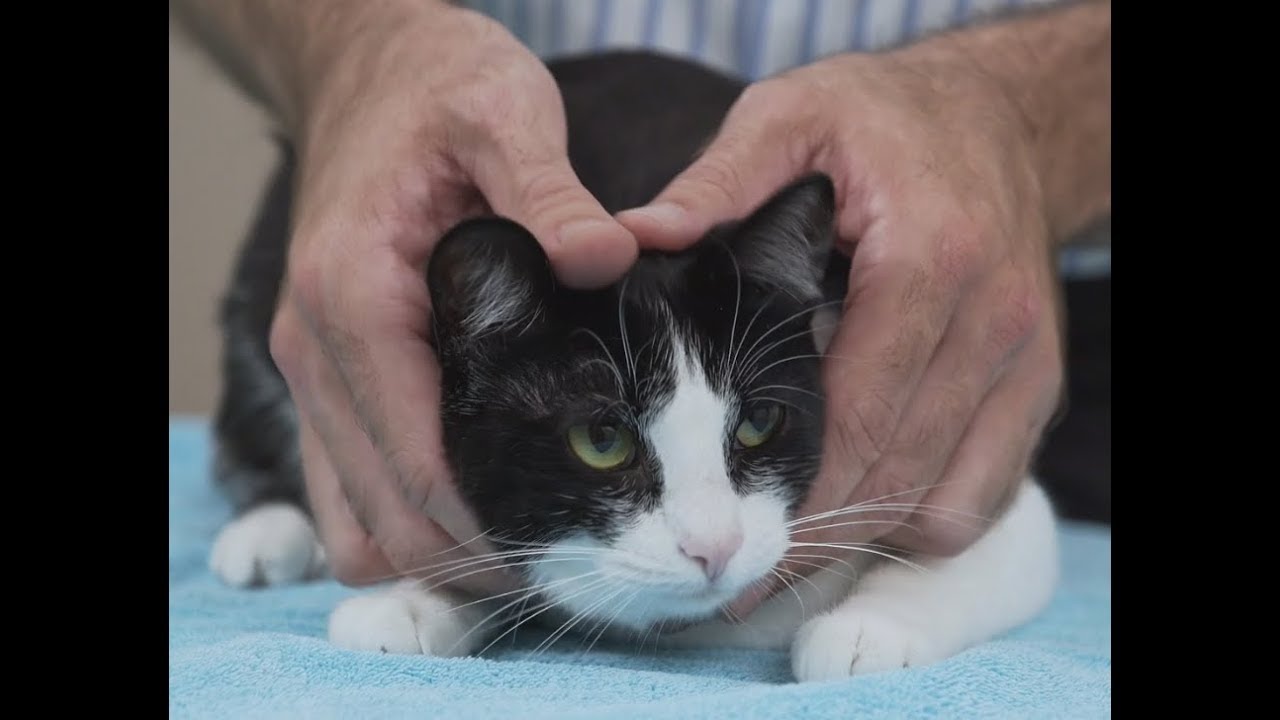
(550, 192)
(958, 255)
(780, 95)
(950, 408)
(714, 179)
(895, 483)
(906, 349)
(307, 282)
(1017, 318)
(492, 97)
(414, 473)
(284, 341)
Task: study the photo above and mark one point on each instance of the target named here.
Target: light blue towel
(241, 654)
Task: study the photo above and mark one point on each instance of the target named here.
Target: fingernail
(668, 215)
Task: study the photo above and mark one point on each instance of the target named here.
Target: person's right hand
(424, 115)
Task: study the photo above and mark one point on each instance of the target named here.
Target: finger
(756, 152)
(993, 456)
(539, 189)
(413, 542)
(990, 327)
(410, 540)
(353, 556)
(901, 301)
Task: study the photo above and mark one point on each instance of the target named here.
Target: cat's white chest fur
(890, 615)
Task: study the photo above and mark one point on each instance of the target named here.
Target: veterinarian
(962, 162)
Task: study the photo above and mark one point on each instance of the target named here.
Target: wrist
(343, 46)
(1047, 74)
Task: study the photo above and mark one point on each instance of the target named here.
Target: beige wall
(220, 154)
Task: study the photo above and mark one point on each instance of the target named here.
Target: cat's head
(655, 435)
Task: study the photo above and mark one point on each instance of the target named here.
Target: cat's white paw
(404, 621)
(272, 544)
(855, 642)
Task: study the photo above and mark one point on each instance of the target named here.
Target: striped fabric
(750, 39)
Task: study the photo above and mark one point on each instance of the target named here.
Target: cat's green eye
(759, 423)
(602, 446)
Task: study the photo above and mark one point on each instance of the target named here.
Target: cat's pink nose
(713, 553)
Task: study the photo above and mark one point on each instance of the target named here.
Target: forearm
(278, 51)
(1056, 66)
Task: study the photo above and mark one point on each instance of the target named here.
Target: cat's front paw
(403, 620)
(271, 544)
(855, 642)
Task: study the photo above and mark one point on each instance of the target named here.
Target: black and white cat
(646, 444)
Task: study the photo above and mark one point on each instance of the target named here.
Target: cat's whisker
(601, 620)
(937, 512)
(525, 591)
(622, 328)
(737, 277)
(805, 578)
(621, 607)
(410, 573)
(605, 348)
(861, 547)
(900, 523)
(877, 499)
(537, 609)
(794, 316)
(764, 351)
(604, 580)
(469, 573)
(853, 523)
(733, 360)
(775, 363)
(496, 557)
(638, 563)
(777, 572)
(788, 388)
(780, 401)
(622, 386)
(608, 593)
(830, 558)
(600, 623)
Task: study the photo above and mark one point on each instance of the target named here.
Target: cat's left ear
(787, 242)
(488, 277)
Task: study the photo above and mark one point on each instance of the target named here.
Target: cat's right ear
(488, 277)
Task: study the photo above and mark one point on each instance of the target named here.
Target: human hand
(422, 115)
(946, 366)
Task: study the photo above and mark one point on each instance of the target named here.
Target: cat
(642, 449)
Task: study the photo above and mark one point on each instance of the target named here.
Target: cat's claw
(854, 642)
(272, 544)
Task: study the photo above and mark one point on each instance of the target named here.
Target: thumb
(742, 167)
(585, 244)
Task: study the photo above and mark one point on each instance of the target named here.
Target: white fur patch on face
(642, 578)
(645, 576)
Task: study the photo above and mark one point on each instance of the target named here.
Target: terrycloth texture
(251, 654)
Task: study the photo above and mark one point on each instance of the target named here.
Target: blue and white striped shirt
(750, 39)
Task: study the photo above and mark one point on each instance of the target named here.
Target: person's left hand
(946, 367)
